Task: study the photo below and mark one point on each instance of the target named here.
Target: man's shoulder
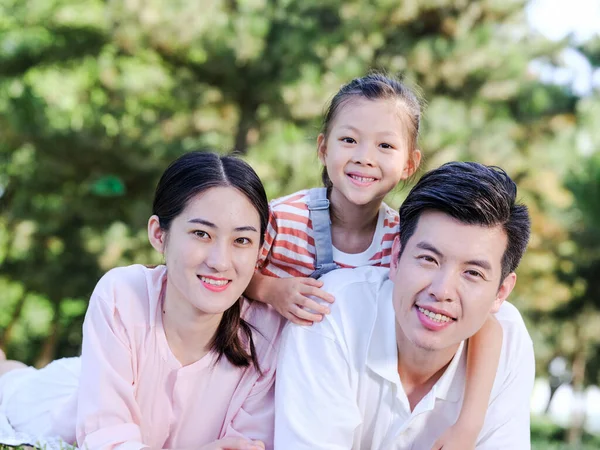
(357, 293)
(517, 347)
(346, 280)
(512, 323)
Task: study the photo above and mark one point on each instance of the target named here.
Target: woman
(173, 356)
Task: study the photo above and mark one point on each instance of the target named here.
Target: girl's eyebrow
(206, 223)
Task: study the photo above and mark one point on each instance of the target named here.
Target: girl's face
(210, 250)
(366, 152)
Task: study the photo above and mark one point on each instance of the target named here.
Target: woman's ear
(156, 235)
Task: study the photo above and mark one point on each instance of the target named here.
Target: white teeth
(433, 316)
(213, 281)
(362, 179)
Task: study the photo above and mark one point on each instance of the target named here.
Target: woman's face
(210, 250)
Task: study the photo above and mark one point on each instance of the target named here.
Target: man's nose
(443, 286)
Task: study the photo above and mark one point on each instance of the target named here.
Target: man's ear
(321, 147)
(413, 163)
(395, 256)
(506, 288)
(156, 235)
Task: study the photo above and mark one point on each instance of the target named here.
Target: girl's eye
(243, 241)
(348, 140)
(201, 234)
(384, 145)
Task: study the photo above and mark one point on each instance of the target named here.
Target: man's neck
(419, 369)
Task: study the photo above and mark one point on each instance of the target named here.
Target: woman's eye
(201, 234)
(243, 241)
(348, 140)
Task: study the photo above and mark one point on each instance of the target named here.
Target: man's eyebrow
(429, 247)
(206, 223)
(480, 263)
(485, 265)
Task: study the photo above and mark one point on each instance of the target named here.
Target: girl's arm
(483, 356)
(291, 297)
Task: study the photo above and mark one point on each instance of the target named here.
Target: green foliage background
(96, 97)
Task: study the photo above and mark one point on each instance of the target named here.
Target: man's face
(447, 281)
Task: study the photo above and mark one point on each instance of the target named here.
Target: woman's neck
(189, 332)
(352, 226)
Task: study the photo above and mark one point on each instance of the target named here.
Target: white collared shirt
(337, 383)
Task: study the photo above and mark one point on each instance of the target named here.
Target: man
(384, 371)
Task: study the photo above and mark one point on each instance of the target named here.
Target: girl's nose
(363, 154)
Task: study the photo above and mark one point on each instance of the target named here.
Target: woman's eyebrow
(206, 223)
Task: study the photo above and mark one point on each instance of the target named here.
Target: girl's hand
(456, 437)
(291, 298)
(234, 443)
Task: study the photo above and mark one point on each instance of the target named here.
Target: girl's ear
(156, 235)
(413, 163)
(321, 147)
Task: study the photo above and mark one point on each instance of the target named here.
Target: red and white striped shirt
(288, 250)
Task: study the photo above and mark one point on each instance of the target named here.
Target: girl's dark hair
(187, 176)
(473, 194)
(376, 86)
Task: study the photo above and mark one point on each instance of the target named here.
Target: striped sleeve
(391, 225)
(270, 236)
(288, 250)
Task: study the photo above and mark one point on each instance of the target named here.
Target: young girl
(368, 144)
(173, 356)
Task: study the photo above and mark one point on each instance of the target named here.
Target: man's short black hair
(473, 194)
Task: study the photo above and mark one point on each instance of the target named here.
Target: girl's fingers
(305, 314)
(311, 305)
(312, 282)
(297, 320)
(319, 293)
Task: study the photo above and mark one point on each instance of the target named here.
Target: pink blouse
(133, 391)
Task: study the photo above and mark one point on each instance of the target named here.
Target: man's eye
(427, 258)
(474, 273)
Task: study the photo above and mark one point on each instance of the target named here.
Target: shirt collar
(382, 350)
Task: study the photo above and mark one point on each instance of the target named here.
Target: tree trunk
(5, 336)
(576, 428)
(245, 123)
(48, 352)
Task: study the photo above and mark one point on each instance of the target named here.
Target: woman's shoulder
(131, 289)
(266, 323)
